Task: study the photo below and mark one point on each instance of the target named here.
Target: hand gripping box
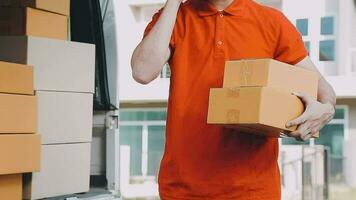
(257, 96)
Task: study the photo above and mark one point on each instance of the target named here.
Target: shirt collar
(206, 8)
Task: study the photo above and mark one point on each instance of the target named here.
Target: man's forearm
(326, 94)
(153, 52)
(317, 112)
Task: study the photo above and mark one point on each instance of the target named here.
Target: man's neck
(221, 4)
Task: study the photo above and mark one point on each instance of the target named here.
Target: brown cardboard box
(261, 110)
(19, 153)
(270, 73)
(16, 78)
(33, 22)
(57, 6)
(11, 187)
(18, 114)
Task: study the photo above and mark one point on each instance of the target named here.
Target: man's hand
(315, 117)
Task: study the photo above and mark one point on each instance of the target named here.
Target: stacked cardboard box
(64, 84)
(257, 96)
(58, 6)
(42, 18)
(19, 143)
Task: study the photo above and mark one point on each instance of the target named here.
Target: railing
(304, 172)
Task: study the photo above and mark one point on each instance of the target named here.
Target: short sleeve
(154, 20)
(290, 46)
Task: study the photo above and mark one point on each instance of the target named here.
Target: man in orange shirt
(196, 37)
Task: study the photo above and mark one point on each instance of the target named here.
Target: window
(339, 114)
(302, 26)
(131, 136)
(327, 26)
(326, 38)
(332, 136)
(327, 45)
(327, 50)
(156, 143)
(307, 46)
(144, 131)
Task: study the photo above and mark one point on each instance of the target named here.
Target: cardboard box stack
(64, 74)
(257, 96)
(30, 21)
(19, 143)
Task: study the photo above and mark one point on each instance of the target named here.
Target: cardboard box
(65, 117)
(16, 78)
(58, 65)
(260, 110)
(11, 187)
(58, 6)
(270, 73)
(19, 153)
(29, 21)
(18, 113)
(65, 169)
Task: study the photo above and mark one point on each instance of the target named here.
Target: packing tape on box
(233, 93)
(246, 72)
(232, 116)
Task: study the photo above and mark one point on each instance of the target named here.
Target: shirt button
(221, 15)
(220, 42)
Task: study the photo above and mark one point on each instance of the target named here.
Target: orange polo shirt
(209, 162)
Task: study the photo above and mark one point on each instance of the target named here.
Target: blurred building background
(323, 168)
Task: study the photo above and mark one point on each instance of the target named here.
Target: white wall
(346, 23)
(352, 25)
(350, 143)
(313, 10)
(353, 21)
(133, 17)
